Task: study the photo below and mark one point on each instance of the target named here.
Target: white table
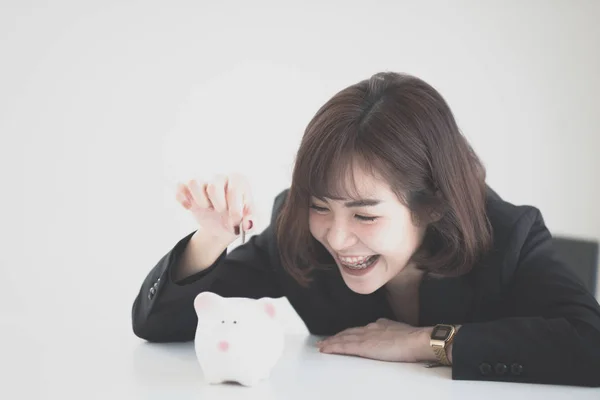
(102, 363)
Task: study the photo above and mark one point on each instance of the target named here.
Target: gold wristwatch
(441, 337)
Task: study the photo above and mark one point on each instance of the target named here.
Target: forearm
(200, 253)
(535, 350)
(163, 310)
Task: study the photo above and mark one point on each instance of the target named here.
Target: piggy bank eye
(222, 322)
(235, 322)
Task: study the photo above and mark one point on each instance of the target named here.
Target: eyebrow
(362, 203)
(359, 202)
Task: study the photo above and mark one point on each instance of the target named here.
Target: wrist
(201, 252)
(218, 241)
(206, 247)
(425, 353)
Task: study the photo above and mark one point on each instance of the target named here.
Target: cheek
(389, 238)
(316, 226)
(380, 236)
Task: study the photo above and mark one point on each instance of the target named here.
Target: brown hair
(398, 128)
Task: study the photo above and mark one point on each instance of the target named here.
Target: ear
(206, 300)
(437, 210)
(267, 306)
(435, 216)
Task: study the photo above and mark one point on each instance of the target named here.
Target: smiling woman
(392, 137)
(372, 237)
(390, 243)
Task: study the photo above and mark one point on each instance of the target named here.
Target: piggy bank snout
(231, 338)
(223, 345)
(225, 336)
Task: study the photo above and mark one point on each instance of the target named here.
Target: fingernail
(236, 230)
(250, 224)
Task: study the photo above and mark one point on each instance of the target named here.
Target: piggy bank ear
(205, 301)
(268, 307)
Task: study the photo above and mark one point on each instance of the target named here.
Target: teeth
(362, 265)
(354, 260)
(357, 262)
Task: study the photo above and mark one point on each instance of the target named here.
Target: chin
(365, 284)
(366, 287)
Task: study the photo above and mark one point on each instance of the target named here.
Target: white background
(105, 105)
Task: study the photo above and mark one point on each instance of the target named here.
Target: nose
(223, 345)
(339, 237)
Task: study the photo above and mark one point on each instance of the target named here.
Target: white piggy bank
(237, 339)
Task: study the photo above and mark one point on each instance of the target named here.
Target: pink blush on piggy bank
(237, 339)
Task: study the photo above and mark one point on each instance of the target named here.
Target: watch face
(440, 333)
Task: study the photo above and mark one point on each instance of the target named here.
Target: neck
(409, 276)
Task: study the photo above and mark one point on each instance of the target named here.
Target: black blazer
(525, 316)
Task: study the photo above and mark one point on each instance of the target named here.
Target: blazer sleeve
(163, 310)
(553, 333)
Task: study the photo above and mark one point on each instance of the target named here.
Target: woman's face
(372, 241)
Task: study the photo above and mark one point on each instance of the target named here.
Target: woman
(389, 242)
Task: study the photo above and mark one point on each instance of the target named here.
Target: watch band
(440, 353)
(440, 345)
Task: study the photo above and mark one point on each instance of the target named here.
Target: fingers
(228, 196)
(197, 192)
(355, 333)
(182, 197)
(341, 344)
(216, 193)
(344, 347)
(248, 222)
(235, 204)
(347, 333)
(248, 214)
(240, 202)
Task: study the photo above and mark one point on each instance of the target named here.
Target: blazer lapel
(445, 300)
(353, 309)
(441, 300)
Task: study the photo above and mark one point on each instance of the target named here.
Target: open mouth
(365, 264)
(360, 268)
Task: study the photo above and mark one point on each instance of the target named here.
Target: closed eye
(365, 218)
(357, 216)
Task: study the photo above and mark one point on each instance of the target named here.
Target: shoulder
(518, 231)
(278, 203)
(270, 231)
(279, 200)
(511, 223)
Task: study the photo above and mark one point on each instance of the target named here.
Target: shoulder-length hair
(399, 128)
